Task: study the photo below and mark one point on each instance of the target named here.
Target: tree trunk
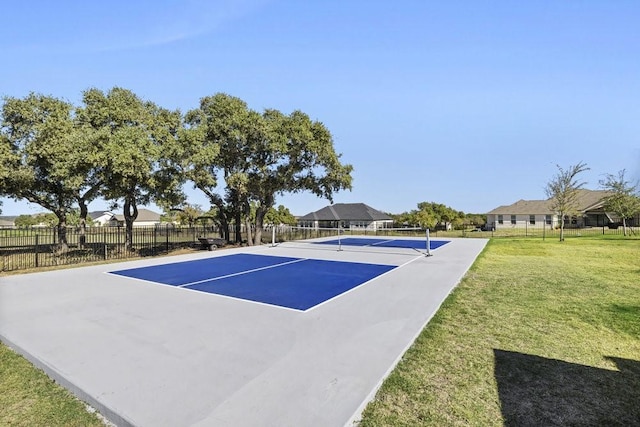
(246, 211)
(247, 225)
(237, 225)
(624, 227)
(82, 238)
(261, 211)
(130, 215)
(62, 245)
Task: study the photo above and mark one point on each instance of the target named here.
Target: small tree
(282, 215)
(562, 191)
(624, 200)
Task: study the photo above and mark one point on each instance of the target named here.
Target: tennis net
(356, 239)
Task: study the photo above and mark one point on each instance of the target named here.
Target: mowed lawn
(537, 333)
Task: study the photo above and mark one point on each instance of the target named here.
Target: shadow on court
(536, 391)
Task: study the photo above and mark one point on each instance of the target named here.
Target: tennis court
(299, 333)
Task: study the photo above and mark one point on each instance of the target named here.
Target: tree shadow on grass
(535, 391)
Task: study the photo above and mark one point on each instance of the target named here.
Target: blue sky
(467, 103)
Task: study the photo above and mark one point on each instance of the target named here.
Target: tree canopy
(624, 200)
(136, 140)
(130, 151)
(562, 190)
(38, 155)
(259, 156)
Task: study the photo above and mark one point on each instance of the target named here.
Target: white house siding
(521, 221)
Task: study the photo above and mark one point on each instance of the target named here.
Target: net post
(339, 238)
(273, 236)
(428, 244)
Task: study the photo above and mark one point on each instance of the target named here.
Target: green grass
(29, 398)
(537, 333)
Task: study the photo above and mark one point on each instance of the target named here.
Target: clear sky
(467, 103)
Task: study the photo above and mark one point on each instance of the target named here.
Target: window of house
(513, 219)
(532, 219)
(500, 219)
(547, 219)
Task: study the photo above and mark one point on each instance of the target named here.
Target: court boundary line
(180, 288)
(361, 284)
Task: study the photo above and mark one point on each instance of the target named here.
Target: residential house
(7, 222)
(101, 218)
(539, 213)
(347, 215)
(146, 218)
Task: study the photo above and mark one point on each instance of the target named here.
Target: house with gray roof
(347, 215)
(146, 218)
(7, 221)
(539, 213)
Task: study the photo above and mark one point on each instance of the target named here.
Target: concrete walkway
(150, 355)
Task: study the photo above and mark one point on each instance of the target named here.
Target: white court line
(361, 284)
(380, 243)
(211, 279)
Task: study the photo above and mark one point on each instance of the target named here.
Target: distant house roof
(524, 207)
(143, 215)
(586, 200)
(6, 222)
(97, 214)
(346, 211)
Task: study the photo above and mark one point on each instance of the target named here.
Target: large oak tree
(137, 142)
(259, 156)
(40, 155)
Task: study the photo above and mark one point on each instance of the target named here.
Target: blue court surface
(296, 283)
(385, 242)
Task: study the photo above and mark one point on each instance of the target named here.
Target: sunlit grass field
(537, 333)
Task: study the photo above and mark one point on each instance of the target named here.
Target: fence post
(36, 251)
(104, 238)
(155, 239)
(167, 229)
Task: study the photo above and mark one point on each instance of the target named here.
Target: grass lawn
(537, 333)
(29, 398)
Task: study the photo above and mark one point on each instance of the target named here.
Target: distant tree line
(130, 151)
(433, 215)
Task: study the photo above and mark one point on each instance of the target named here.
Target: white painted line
(212, 279)
(361, 284)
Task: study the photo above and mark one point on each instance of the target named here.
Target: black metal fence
(538, 232)
(38, 247)
(28, 248)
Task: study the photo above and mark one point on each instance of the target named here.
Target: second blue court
(296, 283)
(385, 242)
